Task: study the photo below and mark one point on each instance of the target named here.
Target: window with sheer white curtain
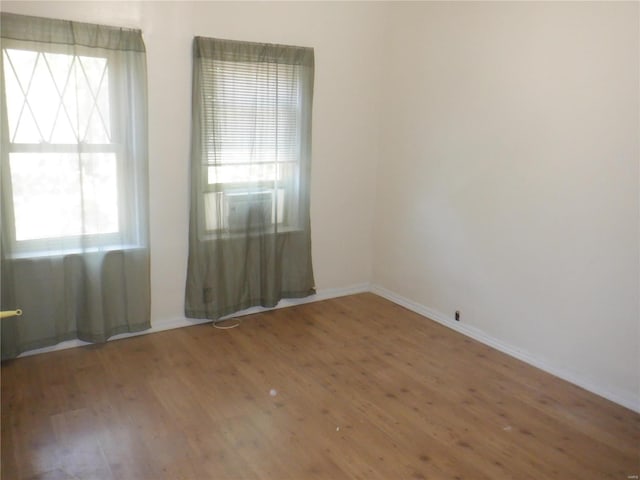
(74, 181)
(251, 160)
(65, 147)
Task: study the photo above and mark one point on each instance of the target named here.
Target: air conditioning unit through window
(252, 210)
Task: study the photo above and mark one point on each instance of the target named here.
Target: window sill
(230, 235)
(63, 252)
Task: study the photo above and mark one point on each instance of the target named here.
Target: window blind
(254, 110)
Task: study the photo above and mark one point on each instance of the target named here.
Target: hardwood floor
(354, 387)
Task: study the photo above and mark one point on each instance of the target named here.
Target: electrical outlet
(457, 315)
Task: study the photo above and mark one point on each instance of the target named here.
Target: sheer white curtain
(250, 239)
(74, 182)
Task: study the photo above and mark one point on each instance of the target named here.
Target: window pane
(56, 98)
(93, 98)
(62, 70)
(242, 173)
(257, 172)
(59, 195)
(18, 66)
(231, 153)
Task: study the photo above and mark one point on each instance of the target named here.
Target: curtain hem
(259, 302)
(52, 341)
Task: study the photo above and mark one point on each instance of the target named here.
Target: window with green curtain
(74, 253)
(250, 238)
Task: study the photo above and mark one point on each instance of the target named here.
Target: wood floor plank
(354, 387)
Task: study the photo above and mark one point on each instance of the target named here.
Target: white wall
(506, 139)
(345, 121)
(509, 184)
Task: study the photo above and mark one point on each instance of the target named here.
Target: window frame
(128, 234)
(289, 219)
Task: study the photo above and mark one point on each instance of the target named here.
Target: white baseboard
(172, 323)
(621, 398)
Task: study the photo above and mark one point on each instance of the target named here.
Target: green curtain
(73, 173)
(249, 236)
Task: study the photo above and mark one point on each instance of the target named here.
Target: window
(66, 156)
(255, 122)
